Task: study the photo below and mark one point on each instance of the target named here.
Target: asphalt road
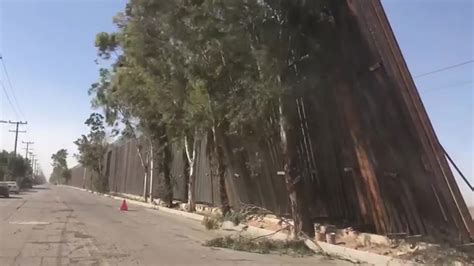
(63, 226)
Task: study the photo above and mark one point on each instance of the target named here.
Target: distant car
(4, 190)
(13, 186)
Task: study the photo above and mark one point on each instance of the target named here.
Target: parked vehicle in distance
(4, 190)
(13, 186)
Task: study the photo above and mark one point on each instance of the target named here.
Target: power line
(9, 100)
(444, 69)
(28, 143)
(11, 86)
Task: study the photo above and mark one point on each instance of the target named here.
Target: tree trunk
(84, 178)
(293, 179)
(221, 169)
(191, 157)
(144, 163)
(152, 163)
(168, 195)
(145, 185)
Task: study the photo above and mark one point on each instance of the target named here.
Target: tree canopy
(13, 168)
(92, 148)
(61, 172)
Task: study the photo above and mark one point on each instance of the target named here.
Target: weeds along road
(51, 225)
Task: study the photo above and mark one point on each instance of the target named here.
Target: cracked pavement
(55, 225)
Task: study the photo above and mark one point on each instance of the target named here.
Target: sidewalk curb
(353, 255)
(358, 255)
(136, 202)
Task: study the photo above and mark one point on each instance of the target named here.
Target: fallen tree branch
(271, 234)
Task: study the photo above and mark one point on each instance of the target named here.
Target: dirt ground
(404, 249)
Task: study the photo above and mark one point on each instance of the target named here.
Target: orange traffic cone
(124, 206)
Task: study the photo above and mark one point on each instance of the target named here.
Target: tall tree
(13, 168)
(61, 172)
(92, 149)
(60, 158)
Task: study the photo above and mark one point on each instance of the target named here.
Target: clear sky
(48, 48)
(49, 52)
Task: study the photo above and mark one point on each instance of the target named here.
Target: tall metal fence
(126, 175)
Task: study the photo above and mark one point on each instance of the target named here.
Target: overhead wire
(8, 99)
(444, 87)
(11, 87)
(443, 69)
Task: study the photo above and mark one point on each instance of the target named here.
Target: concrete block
(359, 255)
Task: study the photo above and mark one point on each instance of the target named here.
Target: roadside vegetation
(262, 246)
(13, 167)
(61, 174)
(18, 169)
(212, 222)
(92, 148)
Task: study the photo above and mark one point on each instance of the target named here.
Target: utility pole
(33, 162)
(27, 146)
(35, 167)
(18, 123)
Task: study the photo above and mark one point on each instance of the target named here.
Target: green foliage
(262, 246)
(92, 148)
(13, 168)
(18, 167)
(211, 222)
(60, 173)
(182, 64)
(60, 159)
(185, 65)
(235, 217)
(106, 44)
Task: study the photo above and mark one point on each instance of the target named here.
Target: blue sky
(49, 52)
(48, 47)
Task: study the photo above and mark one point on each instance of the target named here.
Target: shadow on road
(29, 191)
(12, 198)
(41, 188)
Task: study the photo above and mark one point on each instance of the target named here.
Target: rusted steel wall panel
(252, 173)
(206, 184)
(177, 169)
(77, 176)
(427, 178)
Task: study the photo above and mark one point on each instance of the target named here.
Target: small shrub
(262, 246)
(235, 217)
(100, 184)
(211, 223)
